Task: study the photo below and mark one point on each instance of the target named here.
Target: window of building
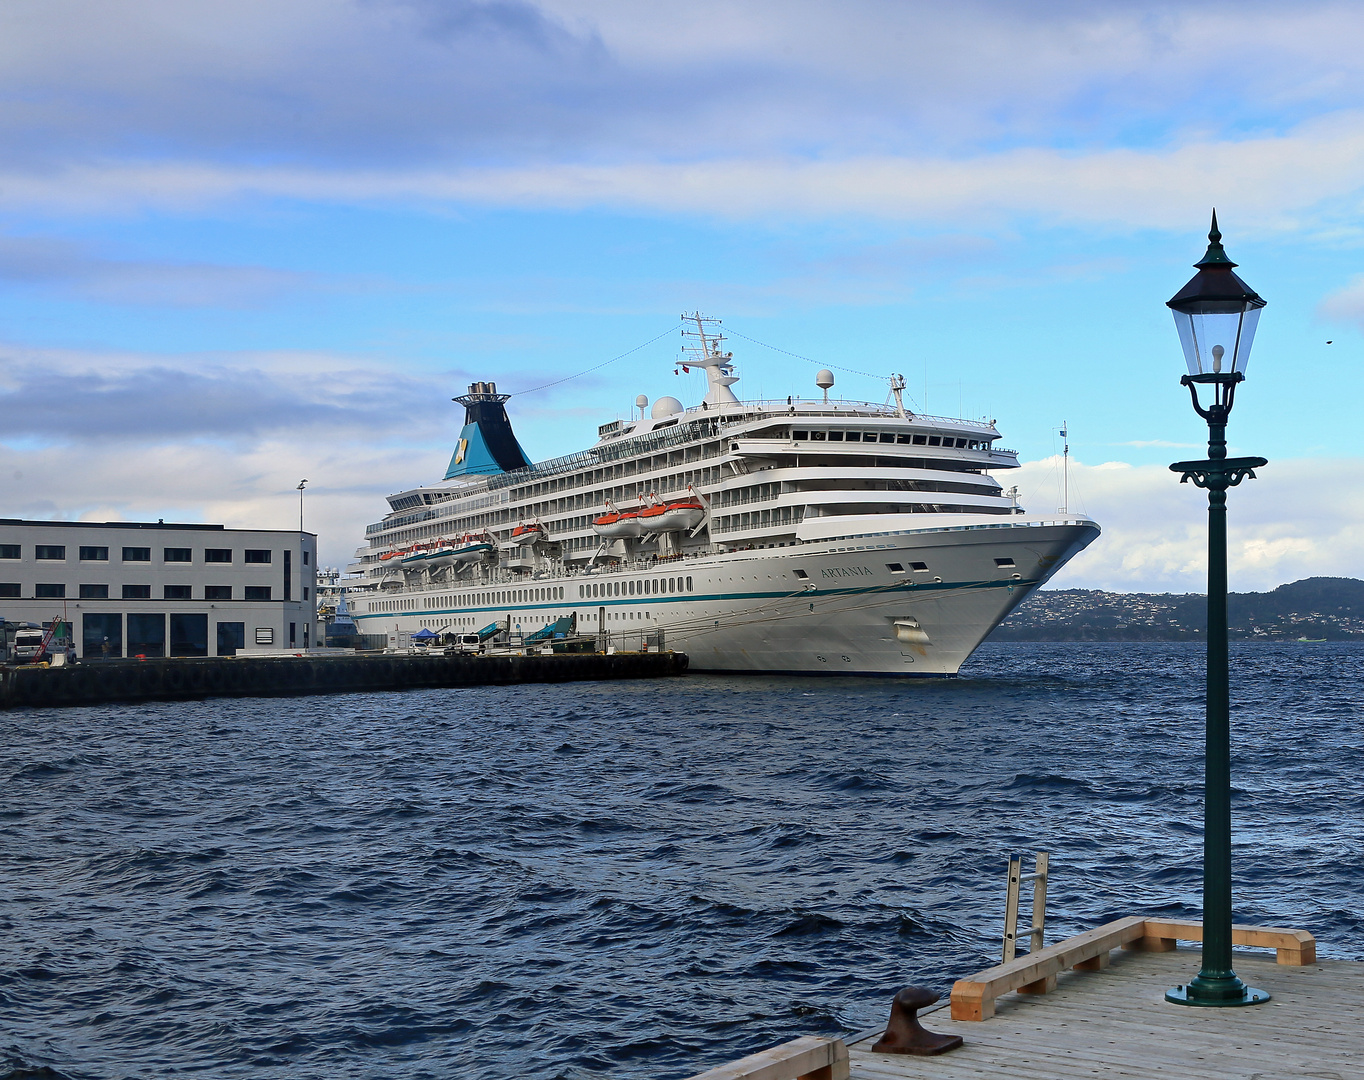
(265, 635)
(137, 554)
(94, 592)
(49, 591)
(257, 592)
(178, 554)
(10, 589)
(146, 634)
(9, 551)
(305, 558)
(94, 554)
(231, 637)
(101, 636)
(218, 592)
(920, 440)
(53, 552)
(189, 635)
(798, 434)
(137, 592)
(217, 554)
(177, 592)
(288, 577)
(305, 594)
(254, 556)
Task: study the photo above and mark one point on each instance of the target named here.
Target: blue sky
(244, 244)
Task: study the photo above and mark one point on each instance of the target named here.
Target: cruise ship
(792, 536)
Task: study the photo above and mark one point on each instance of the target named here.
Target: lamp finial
(1216, 255)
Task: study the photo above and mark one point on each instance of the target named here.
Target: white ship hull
(752, 611)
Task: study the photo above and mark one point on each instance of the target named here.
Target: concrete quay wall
(169, 680)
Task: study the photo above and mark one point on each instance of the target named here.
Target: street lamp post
(1216, 315)
(301, 485)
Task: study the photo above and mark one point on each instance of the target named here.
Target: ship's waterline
(790, 536)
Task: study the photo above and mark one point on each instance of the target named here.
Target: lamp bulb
(1217, 353)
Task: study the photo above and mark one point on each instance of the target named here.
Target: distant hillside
(1331, 608)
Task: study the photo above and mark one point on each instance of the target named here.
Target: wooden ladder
(1039, 904)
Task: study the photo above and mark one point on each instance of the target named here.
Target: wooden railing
(807, 1058)
(973, 998)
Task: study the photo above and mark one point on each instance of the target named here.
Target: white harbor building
(131, 588)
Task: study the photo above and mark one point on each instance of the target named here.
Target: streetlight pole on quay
(1216, 315)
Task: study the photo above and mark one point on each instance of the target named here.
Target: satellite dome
(641, 402)
(665, 406)
(824, 378)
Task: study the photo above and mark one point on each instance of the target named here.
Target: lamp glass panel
(1233, 329)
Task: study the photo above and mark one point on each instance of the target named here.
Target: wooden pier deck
(1116, 1024)
(1093, 1006)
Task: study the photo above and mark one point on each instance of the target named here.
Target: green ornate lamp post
(1216, 314)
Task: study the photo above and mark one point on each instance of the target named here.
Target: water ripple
(625, 879)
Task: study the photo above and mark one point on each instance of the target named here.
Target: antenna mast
(897, 388)
(719, 365)
(1065, 469)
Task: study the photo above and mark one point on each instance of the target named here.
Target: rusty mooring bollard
(904, 1034)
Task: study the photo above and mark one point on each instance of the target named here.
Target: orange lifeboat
(617, 523)
(672, 517)
(528, 534)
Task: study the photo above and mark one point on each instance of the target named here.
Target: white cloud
(1135, 114)
(1259, 181)
(1299, 518)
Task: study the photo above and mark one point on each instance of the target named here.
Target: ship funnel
(487, 444)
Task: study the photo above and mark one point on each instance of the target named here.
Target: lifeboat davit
(673, 516)
(528, 534)
(616, 523)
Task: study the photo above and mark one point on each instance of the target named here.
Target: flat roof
(184, 526)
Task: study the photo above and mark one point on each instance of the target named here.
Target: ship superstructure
(796, 535)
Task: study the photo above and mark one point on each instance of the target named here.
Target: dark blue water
(625, 879)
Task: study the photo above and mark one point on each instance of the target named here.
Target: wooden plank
(1039, 901)
(806, 1058)
(1011, 909)
(973, 998)
(1095, 963)
(1296, 947)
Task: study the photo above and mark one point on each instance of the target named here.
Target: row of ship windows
(903, 439)
(57, 553)
(638, 587)
(593, 591)
(500, 596)
(56, 591)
